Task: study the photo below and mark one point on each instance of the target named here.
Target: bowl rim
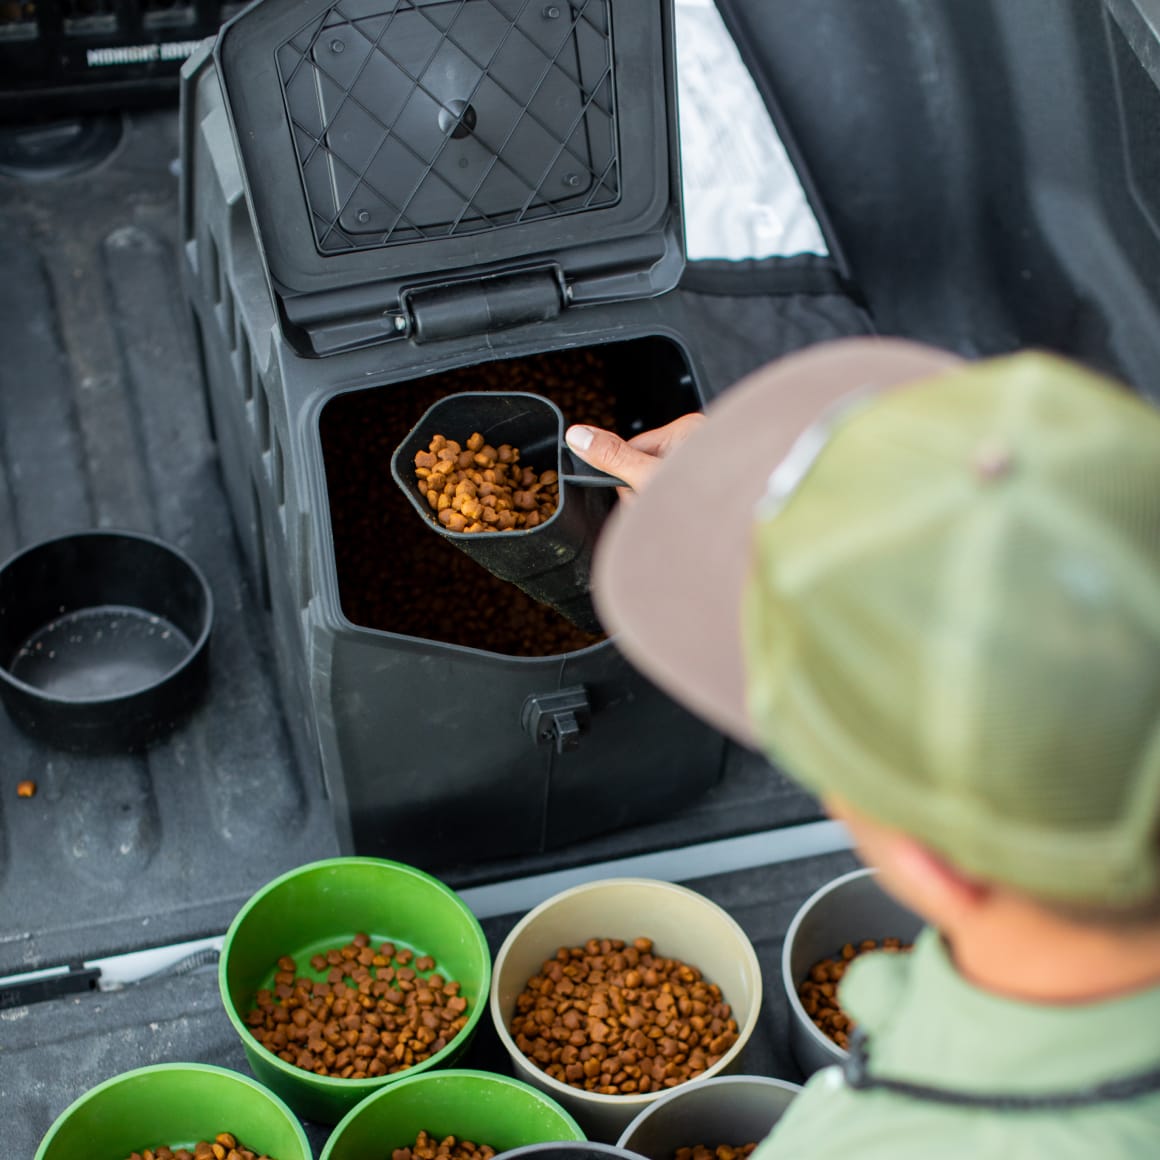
(331, 1083)
(113, 1081)
(451, 1073)
(788, 985)
(612, 1151)
(640, 1099)
(684, 1090)
(196, 647)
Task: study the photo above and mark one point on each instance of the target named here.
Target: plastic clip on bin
(384, 205)
(551, 562)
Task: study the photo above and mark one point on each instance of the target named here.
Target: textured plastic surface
(439, 122)
(847, 910)
(682, 923)
(433, 144)
(552, 561)
(725, 1109)
(469, 1105)
(103, 424)
(177, 1105)
(103, 640)
(325, 904)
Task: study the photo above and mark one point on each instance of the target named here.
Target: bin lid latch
(479, 305)
(557, 718)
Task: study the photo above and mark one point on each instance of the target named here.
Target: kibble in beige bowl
(673, 942)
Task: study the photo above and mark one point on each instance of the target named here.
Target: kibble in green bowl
(316, 911)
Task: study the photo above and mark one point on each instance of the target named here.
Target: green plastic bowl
(471, 1105)
(324, 905)
(175, 1104)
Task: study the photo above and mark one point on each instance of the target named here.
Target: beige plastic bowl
(682, 924)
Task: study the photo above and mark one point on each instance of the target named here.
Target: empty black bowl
(103, 639)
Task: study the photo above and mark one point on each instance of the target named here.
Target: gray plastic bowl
(848, 909)
(569, 1150)
(727, 1109)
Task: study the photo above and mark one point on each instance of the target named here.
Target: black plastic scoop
(550, 562)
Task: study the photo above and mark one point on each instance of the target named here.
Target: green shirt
(926, 1025)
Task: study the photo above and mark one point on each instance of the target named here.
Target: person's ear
(943, 888)
(910, 871)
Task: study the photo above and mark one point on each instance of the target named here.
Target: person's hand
(633, 460)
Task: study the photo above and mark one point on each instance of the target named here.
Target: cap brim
(671, 565)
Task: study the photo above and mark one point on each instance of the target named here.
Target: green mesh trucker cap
(929, 587)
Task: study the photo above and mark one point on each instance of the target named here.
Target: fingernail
(579, 437)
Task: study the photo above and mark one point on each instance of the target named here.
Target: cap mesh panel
(1070, 696)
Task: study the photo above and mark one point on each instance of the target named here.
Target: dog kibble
(427, 1147)
(721, 1152)
(393, 574)
(224, 1146)
(619, 1019)
(473, 487)
(818, 991)
(373, 1013)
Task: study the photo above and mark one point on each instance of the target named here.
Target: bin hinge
(479, 305)
(557, 718)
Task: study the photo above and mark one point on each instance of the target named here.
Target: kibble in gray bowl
(731, 1110)
(849, 910)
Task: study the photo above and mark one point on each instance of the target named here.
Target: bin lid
(394, 147)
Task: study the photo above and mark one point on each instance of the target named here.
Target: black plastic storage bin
(336, 296)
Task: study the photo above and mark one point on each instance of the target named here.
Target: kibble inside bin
(440, 197)
(552, 561)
